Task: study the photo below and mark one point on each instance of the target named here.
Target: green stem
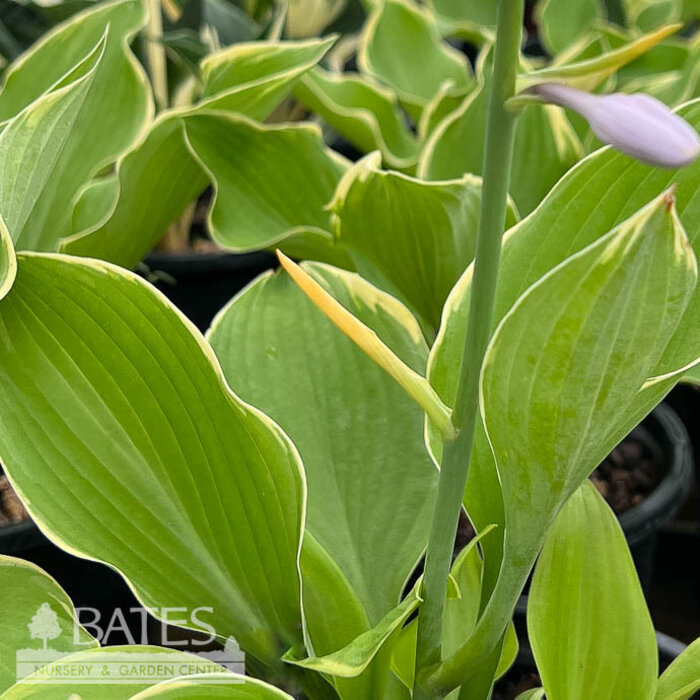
(155, 52)
(457, 453)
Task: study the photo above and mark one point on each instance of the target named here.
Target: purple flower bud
(638, 125)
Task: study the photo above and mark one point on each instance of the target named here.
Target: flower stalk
(457, 452)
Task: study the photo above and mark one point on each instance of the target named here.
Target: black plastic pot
(199, 284)
(665, 436)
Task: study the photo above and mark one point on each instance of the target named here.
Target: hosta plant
(291, 469)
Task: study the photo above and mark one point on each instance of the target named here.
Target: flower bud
(638, 125)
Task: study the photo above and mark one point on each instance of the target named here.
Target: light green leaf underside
(8, 260)
(131, 656)
(121, 81)
(589, 626)
(213, 685)
(682, 678)
(401, 46)
(410, 237)
(62, 138)
(271, 182)
(363, 112)
(561, 369)
(562, 23)
(351, 660)
(534, 694)
(370, 479)
(122, 219)
(546, 146)
(28, 591)
(200, 497)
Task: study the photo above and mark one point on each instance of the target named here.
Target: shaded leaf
(410, 237)
(401, 46)
(562, 23)
(363, 112)
(271, 182)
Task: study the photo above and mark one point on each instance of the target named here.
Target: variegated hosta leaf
(410, 237)
(34, 607)
(681, 680)
(590, 73)
(271, 183)
(253, 78)
(213, 685)
(362, 111)
(600, 193)
(93, 113)
(121, 82)
(546, 146)
(481, 13)
(8, 260)
(200, 497)
(65, 684)
(121, 219)
(401, 46)
(562, 22)
(371, 483)
(565, 362)
(589, 626)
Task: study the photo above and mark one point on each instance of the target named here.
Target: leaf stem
(457, 453)
(155, 52)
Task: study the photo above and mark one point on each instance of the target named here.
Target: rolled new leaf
(413, 383)
(638, 125)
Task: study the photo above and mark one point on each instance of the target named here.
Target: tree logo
(44, 624)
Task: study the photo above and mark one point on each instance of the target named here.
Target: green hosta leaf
(200, 497)
(121, 219)
(8, 260)
(120, 83)
(362, 111)
(589, 627)
(360, 516)
(41, 168)
(263, 340)
(596, 326)
(353, 659)
(546, 146)
(213, 685)
(131, 657)
(271, 182)
(401, 46)
(479, 12)
(446, 101)
(92, 114)
(534, 694)
(34, 610)
(562, 22)
(412, 238)
(588, 74)
(253, 78)
(682, 678)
